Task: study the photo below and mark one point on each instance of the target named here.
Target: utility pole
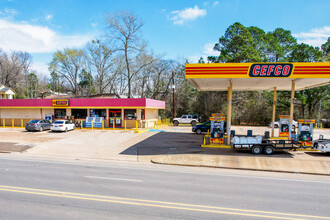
(173, 88)
(319, 113)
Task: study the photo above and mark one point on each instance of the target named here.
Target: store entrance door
(115, 117)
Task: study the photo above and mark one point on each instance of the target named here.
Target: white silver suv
(186, 119)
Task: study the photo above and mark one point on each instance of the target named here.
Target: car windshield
(58, 122)
(34, 121)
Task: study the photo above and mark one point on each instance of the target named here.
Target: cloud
(215, 3)
(48, 17)
(36, 39)
(40, 67)
(94, 24)
(315, 37)
(188, 14)
(8, 12)
(208, 50)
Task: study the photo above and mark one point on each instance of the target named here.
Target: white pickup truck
(186, 119)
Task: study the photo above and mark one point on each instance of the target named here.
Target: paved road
(40, 189)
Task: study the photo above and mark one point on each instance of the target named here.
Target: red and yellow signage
(260, 70)
(60, 102)
(306, 121)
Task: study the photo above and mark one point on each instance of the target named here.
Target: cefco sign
(271, 70)
(60, 102)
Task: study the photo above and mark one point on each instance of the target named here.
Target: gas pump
(305, 131)
(217, 129)
(284, 125)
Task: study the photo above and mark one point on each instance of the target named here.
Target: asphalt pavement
(65, 189)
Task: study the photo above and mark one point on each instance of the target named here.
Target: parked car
(202, 127)
(38, 125)
(62, 125)
(277, 124)
(186, 119)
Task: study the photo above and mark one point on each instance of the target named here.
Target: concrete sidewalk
(290, 165)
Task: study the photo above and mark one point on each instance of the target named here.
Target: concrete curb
(173, 160)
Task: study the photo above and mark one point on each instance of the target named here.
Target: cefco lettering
(270, 70)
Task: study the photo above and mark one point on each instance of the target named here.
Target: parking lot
(126, 145)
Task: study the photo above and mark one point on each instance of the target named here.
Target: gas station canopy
(257, 76)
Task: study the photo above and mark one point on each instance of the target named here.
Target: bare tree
(101, 61)
(68, 64)
(124, 30)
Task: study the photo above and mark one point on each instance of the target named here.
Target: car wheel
(275, 126)
(198, 131)
(256, 149)
(269, 150)
(175, 123)
(40, 129)
(74, 127)
(66, 129)
(193, 123)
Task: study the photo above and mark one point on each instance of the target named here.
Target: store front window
(98, 113)
(79, 113)
(142, 114)
(60, 113)
(130, 114)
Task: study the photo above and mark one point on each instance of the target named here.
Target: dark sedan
(38, 125)
(202, 127)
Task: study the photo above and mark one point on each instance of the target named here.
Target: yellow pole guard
(3, 122)
(208, 132)
(92, 124)
(22, 123)
(102, 125)
(321, 126)
(125, 124)
(136, 125)
(113, 124)
(81, 124)
(204, 141)
(12, 122)
(147, 125)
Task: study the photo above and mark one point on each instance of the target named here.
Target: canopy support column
(274, 111)
(229, 107)
(291, 107)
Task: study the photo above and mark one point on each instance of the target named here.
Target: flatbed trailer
(268, 146)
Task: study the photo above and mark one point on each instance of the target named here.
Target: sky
(175, 29)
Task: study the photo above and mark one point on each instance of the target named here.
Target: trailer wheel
(256, 149)
(269, 150)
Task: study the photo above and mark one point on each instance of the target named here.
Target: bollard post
(204, 141)
(3, 122)
(147, 125)
(12, 122)
(22, 123)
(102, 125)
(125, 124)
(92, 124)
(113, 124)
(81, 124)
(136, 125)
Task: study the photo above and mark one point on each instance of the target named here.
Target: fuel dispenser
(217, 129)
(284, 125)
(305, 131)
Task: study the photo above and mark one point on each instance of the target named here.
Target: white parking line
(109, 178)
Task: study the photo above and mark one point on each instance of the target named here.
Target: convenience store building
(115, 111)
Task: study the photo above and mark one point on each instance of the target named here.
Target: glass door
(115, 118)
